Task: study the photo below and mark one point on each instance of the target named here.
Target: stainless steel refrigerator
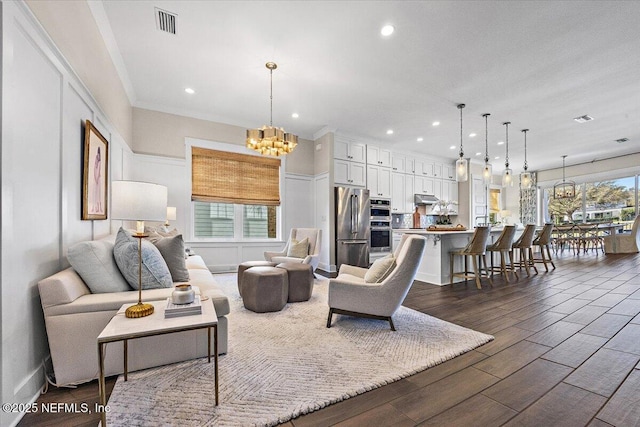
(352, 226)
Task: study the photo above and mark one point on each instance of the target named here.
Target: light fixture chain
(506, 159)
(486, 137)
(271, 95)
(460, 107)
(526, 166)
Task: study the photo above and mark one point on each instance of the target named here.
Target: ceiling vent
(621, 140)
(166, 21)
(583, 119)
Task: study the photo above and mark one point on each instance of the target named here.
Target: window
(235, 196)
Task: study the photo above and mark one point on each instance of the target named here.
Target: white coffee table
(121, 328)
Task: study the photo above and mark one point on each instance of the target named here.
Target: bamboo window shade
(224, 177)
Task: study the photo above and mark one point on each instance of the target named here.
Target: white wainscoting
(322, 218)
(44, 106)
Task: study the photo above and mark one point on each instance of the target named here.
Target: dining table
(582, 236)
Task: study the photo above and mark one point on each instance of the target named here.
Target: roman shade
(224, 177)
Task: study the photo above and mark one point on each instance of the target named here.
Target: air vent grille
(583, 119)
(166, 21)
(621, 140)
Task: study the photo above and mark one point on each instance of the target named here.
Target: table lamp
(140, 202)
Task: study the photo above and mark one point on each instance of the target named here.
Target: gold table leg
(215, 356)
(101, 386)
(126, 357)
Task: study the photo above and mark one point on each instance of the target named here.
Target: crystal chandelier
(487, 171)
(462, 170)
(269, 140)
(564, 189)
(507, 174)
(525, 176)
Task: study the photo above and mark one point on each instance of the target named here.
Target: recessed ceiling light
(387, 30)
(497, 157)
(435, 124)
(453, 147)
(390, 132)
(583, 119)
(295, 115)
(500, 142)
(189, 91)
(420, 139)
(471, 135)
(621, 140)
(478, 154)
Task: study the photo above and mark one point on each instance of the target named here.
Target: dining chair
(503, 246)
(476, 249)
(524, 244)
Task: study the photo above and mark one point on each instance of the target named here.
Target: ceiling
(536, 64)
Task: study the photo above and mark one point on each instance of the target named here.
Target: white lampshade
(171, 213)
(138, 201)
(462, 171)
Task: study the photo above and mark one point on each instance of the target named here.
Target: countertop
(441, 232)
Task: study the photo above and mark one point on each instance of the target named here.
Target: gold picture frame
(94, 174)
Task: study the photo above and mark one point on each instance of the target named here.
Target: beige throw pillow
(298, 249)
(380, 269)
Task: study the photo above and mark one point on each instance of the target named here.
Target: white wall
(44, 106)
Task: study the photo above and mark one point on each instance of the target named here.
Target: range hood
(425, 199)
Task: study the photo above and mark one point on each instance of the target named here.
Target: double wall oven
(380, 222)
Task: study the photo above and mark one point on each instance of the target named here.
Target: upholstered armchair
(350, 294)
(315, 241)
(624, 243)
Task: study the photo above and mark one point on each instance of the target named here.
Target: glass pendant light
(525, 177)
(487, 171)
(462, 169)
(507, 174)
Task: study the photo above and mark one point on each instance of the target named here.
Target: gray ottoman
(247, 265)
(265, 289)
(300, 280)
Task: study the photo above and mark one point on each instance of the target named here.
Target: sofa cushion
(157, 233)
(298, 249)
(155, 273)
(380, 269)
(94, 262)
(172, 250)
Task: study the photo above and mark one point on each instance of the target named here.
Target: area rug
(281, 365)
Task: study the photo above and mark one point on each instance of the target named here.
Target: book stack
(177, 310)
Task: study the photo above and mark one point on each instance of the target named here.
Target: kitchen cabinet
(424, 168)
(402, 192)
(346, 149)
(438, 170)
(449, 172)
(403, 164)
(424, 185)
(379, 181)
(450, 193)
(378, 156)
(349, 173)
(437, 189)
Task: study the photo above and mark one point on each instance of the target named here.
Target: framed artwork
(94, 174)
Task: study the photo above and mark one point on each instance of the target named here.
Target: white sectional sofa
(74, 318)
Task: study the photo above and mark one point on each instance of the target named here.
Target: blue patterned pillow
(155, 273)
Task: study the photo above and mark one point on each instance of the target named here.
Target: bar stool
(524, 243)
(476, 249)
(503, 245)
(543, 240)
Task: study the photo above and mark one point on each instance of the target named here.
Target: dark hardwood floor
(566, 352)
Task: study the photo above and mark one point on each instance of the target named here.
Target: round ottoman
(247, 265)
(265, 289)
(300, 280)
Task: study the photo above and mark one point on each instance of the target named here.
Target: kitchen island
(434, 267)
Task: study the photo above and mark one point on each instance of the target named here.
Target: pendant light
(507, 174)
(462, 169)
(525, 176)
(565, 189)
(487, 172)
(270, 140)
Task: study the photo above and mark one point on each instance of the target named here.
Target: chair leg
(330, 317)
(476, 272)
(451, 259)
(550, 259)
(484, 260)
(544, 259)
(513, 269)
(491, 257)
(393, 328)
(466, 269)
(533, 265)
(523, 259)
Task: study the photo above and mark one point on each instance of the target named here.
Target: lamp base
(139, 310)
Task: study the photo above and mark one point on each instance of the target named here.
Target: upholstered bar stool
(524, 244)
(542, 241)
(476, 249)
(503, 245)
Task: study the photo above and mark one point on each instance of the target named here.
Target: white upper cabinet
(349, 173)
(379, 181)
(424, 185)
(437, 170)
(345, 149)
(402, 193)
(424, 167)
(378, 156)
(448, 172)
(402, 163)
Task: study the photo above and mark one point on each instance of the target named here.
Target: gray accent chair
(349, 294)
(315, 244)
